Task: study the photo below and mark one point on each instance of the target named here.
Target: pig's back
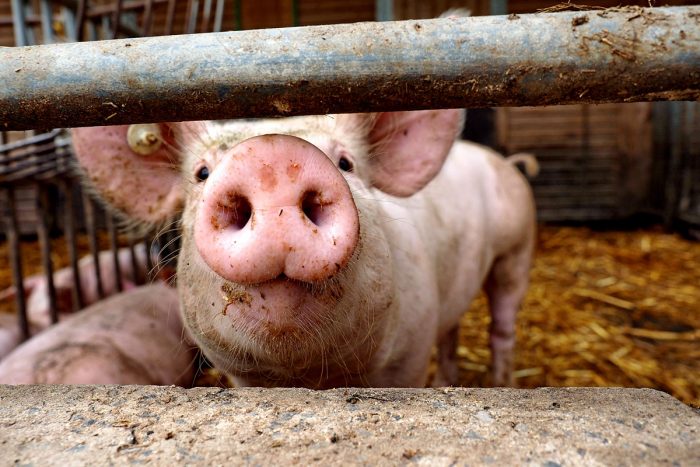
(478, 207)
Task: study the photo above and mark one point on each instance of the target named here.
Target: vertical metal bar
(219, 16)
(90, 226)
(42, 230)
(169, 17)
(584, 158)
(80, 19)
(191, 19)
(19, 24)
(46, 20)
(686, 177)
(498, 7)
(105, 30)
(71, 242)
(29, 11)
(135, 278)
(16, 261)
(148, 18)
(149, 262)
(111, 228)
(92, 30)
(206, 17)
(238, 23)
(116, 18)
(384, 10)
(69, 24)
(675, 155)
(295, 12)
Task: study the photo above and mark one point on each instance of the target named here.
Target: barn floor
(605, 308)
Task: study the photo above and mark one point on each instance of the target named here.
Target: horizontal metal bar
(614, 55)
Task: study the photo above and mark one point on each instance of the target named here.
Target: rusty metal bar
(71, 242)
(614, 55)
(42, 230)
(12, 231)
(150, 273)
(80, 17)
(114, 246)
(116, 19)
(134, 262)
(90, 227)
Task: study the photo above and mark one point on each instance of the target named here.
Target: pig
(36, 287)
(134, 337)
(327, 251)
(10, 333)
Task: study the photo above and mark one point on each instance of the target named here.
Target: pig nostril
(235, 212)
(312, 205)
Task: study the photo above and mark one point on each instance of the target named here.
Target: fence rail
(614, 55)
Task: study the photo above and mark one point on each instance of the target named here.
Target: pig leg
(505, 287)
(447, 371)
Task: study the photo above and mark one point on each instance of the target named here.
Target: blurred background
(615, 294)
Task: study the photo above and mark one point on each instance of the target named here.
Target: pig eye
(202, 173)
(344, 164)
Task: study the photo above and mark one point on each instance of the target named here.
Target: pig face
(285, 273)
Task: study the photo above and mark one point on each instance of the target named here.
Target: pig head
(327, 251)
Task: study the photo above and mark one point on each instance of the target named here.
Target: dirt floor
(603, 309)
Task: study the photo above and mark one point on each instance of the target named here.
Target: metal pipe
(116, 19)
(219, 16)
(46, 20)
(13, 250)
(384, 10)
(90, 227)
(20, 28)
(42, 230)
(614, 55)
(114, 246)
(70, 231)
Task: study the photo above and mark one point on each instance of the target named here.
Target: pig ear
(408, 148)
(134, 168)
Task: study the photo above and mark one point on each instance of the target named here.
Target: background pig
(37, 289)
(131, 338)
(329, 250)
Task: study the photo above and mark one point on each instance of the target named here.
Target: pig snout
(276, 206)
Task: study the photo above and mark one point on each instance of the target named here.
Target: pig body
(131, 338)
(37, 287)
(350, 278)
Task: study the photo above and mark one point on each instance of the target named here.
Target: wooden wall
(594, 159)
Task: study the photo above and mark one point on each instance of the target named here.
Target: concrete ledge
(88, 425)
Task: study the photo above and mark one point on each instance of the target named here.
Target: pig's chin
(273, 306)
(282, 323)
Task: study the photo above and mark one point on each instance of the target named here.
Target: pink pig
(37, 288)
(134, 337)
(328, 251)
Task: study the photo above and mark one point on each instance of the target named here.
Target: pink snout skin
(276, 206)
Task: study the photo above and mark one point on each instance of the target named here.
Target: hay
(603, 309)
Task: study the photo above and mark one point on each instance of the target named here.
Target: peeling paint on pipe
(614, 55)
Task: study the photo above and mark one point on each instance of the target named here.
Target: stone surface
(88, 425)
